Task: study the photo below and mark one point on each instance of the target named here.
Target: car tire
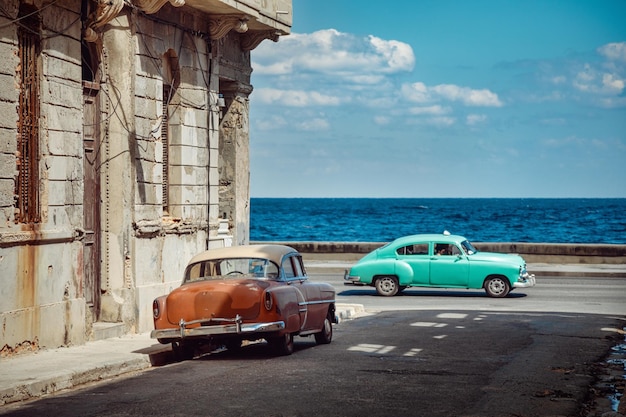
(326, 335)
(233, 345)
(387, 286)
(497, 287)
(183, 351)
(282, 345)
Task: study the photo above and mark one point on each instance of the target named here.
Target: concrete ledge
(558, 253)
(349, 311)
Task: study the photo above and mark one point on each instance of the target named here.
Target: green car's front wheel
(387, 286)
(497, 287)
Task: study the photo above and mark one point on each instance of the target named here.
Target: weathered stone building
(123, 151)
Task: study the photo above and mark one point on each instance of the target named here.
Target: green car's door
(416, 256)
(448, 266)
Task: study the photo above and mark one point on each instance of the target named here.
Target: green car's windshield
(468, 247)
(231, 268)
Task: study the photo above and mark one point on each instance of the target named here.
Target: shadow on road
(429, 293)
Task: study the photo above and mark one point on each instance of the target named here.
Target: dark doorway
(91, 193)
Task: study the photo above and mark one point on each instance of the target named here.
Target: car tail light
(268, 301)
(156, 312)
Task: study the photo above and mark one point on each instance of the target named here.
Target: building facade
(123, 152)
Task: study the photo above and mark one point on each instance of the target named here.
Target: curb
(67, 379)
(349, 311)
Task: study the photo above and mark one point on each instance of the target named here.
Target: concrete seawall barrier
(550, 253)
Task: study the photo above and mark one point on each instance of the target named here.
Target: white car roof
(273, 252)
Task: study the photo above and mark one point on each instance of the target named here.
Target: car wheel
(233, 345)
(387, 286)
(183, 351)
(326, 335)
(497, 287)
(283, 345)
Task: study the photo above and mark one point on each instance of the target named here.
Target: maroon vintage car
(239, 293)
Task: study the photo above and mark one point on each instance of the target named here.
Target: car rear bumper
(351, 279)
(183, 332)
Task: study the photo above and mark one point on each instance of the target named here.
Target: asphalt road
(551, 294)
(424, 353)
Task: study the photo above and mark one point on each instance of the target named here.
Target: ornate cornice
(219, 26)
(103, 11)
(251, 40)
(153, 6)
(235, 88)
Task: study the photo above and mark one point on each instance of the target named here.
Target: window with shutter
(165, 141)
(27, 184)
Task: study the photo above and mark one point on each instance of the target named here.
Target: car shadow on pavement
(250, 351)
(429, 293)
(257, 350)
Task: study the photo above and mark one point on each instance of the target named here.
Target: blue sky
(441, 98)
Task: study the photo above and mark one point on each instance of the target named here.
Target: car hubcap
(387, 285)
(496, 286)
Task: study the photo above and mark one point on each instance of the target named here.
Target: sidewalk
(32, 375)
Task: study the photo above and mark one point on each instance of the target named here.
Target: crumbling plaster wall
(41, 294)
(148, 248)
(144, 250)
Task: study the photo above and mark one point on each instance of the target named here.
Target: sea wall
(557, 253)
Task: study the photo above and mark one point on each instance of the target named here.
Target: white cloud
(332, 52)
(314, 124)
(468, 96)
(558, 79)
(382, 120)
(417, 92)
(295, 98)
(614, 51)
(438, 121)
(398, 55)
(474, 119)
(590, 80)
(430, 110)
(607, 79)
(272, 123)
(564, 142)
(612, 83)
(274, 68)
(420, 93)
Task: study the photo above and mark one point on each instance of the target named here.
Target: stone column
(235, 159)
(119, 174)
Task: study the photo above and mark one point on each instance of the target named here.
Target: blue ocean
(540, 220)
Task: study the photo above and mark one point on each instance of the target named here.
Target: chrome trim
(351, 279)
(315, 302)
(238, 328)
(525, 280)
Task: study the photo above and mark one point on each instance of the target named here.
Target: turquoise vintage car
(440, 261)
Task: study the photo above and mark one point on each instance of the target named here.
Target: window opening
(171, 80)
(167, 90)
(27, 184)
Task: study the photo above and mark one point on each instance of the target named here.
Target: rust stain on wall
(27, 276)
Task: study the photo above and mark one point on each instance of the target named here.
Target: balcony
(263, 15)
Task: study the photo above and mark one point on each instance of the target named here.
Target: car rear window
(232, 268)
(415, 249)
